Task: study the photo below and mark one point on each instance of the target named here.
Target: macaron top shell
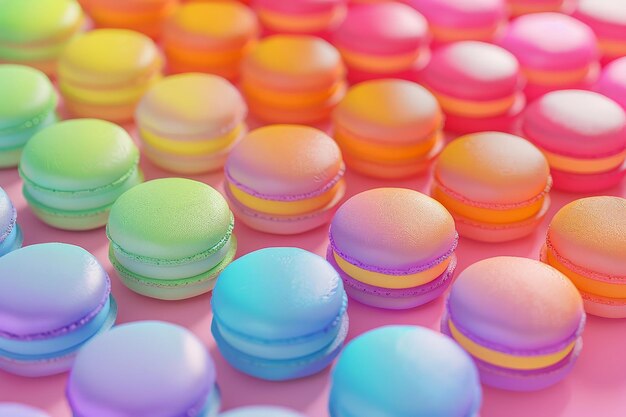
(606, 17)
(516, 304)
(389, 110)
(493, 167)
(591, 233)
(170, 219)
(261, 411)
(191, 104)
(422, 372)
(102, 154)
(46, 288)
(473, 70)
(461, 14)
(142, 369)
(578, 123)
(285, 162)
(393, 229)
(279, 293)
(34, 21)
(8, 215)
(19, 410)
(612, 82)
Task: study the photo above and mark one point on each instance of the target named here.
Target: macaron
(170, 238)
(20, 410)
(210, 37)
(393, 247)
(463, 20)
(104, 73)
(10, 232)
(519, 319)
(144, 369)
(188, 123)
(313, 17)
(34, 32)
(586, 241)
(279, 314)
(607, 18)
(388, 128)
(478, 85)
(495, 185)
(555, 51)
(261, 411)
(293, 79)
(383, 40)
(612, 82)
(74, 171)
(285, 179)
(28, 106)
(583, 136)
(54, 298)
(521, 7)
(404, 371)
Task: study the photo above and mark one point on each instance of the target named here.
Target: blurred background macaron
(312, 17)
(522, 7)
(261, 411)
(607, 18)
(20, 410)
(11, 237)
(612, 82)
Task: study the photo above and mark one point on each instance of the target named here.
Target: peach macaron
(313, 17)
(496, 185)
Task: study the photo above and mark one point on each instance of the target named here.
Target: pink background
(597, 386)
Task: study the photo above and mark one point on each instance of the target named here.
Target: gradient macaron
(285, 179)
(380, 40)
(28, 105)
(495, 185)
(404, 371)
(54, 298)
(388, 128)
(313, 17)
(261, 411)
(555, 51)
(34, 32)
(73, 171)
(612, 82)
(144, 369)
(210, 37)
(607, 18)
(188, 123)
(521, 7)
(11, 237)
(20, 410)
(393, 247)
(170, 238)
(583, 136)
(293, 79)
(279, 314)
(586, 241)
(520, 320)
(478, 85)
(105, 72)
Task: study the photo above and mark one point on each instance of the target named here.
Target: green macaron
(73, 172)
(170, 238)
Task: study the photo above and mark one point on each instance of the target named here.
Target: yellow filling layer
(555, 77)
(114, 95)
(379, 63)
(195, 147)
(584, 166)
(470, 108)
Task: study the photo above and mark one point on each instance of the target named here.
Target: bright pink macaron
(583, 136)
(313, 17)
(607, 18)
(612, 82)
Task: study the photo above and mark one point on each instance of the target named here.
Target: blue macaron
(10, 233)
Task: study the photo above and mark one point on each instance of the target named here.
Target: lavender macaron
(20, 410)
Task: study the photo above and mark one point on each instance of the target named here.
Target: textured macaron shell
(49, 287)
(278, 293)
(612, 82)
(591, 233)
(7, 214)
(606, 17)
(19, 410)
(166, 372)
(516, 304)
(461, 14)
(393, 229)
(422, 371)
(261, 411)
(38, 21)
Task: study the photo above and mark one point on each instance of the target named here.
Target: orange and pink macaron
(583, 136)
(612, 82)
(313, 17)
(607, 18)
(522, 7)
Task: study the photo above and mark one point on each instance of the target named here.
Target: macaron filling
(107, 95)
(475, 108)
(182, 144)
(591, 165)
(301, 23)
(554, 77)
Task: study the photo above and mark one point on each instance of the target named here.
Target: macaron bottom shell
(502, 123)
(587, 183)
(12, 241)
(120, 113)
(11, 145)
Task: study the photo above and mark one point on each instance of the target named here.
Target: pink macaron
(607, 18)
(612, 82)
(583, 136)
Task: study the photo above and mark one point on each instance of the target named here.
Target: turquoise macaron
(10, 232)
(261, 411)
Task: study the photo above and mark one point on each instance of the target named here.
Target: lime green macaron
(27, 104)
(73, 172)
(170, 238)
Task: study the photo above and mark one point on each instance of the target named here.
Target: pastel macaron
(11, 237)
(292, 79)
(393, 247)
(34, 32)
(478, 85)
(555, 51)
(29, 105)
(210, 37)
(583, 136)
(612, 82)
(105, 72)
(54, 298)
(411, 372)
(285, 179)
(521, 321)
(388, 128)
(74, 171)
(279, 314)
(170, 238)
(261, 411)
(607, 18)
(20, 410)
(521, 7)
(586, 241)
(188, 123)
(383, 40)
(495, 185)
(314, 17)
(144, 369)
